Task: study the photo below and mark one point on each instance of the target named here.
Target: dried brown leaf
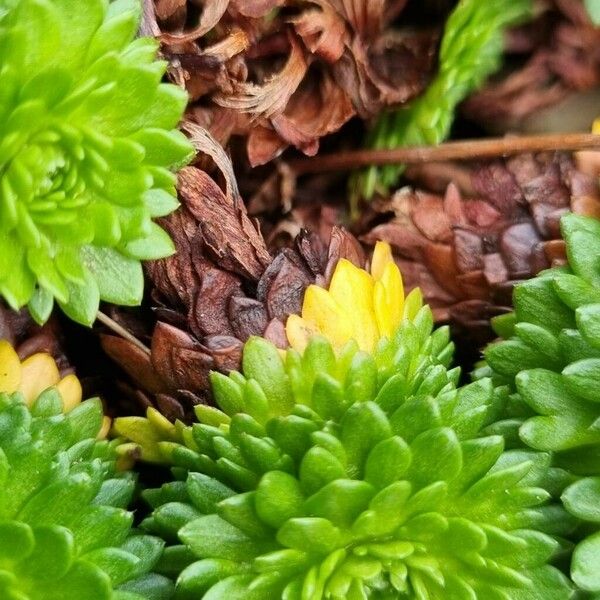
(365, 16)
(230, 237)
(134, 362)
(255, 9)
(271, 97)
(212, 13)
(323, 30)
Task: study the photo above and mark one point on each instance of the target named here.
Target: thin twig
(463, 150)
(120, 330)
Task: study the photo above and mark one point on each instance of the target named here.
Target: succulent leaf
(87, 145)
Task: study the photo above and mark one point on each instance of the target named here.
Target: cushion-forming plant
(352, 467)
(87, 150)
(551, 361)
(65, 531)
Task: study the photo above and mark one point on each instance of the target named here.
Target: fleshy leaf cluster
(64, 528)
(87, 153)
(550, 363)
(349, 475)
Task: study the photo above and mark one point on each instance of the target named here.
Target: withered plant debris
(556, 55)
(465, 234)
(285, 73)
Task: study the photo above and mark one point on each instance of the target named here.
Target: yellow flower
(358, 305)
(36, 374)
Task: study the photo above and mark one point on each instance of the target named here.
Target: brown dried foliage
(560, 55)
(479, 229)
(287, 72)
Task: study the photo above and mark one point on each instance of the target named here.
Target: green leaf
(582, 235)
(310, 534)
(583, 378)
(172, 516)
(212, 537)
(436, 456)
(582, 499)
(536, 302)
(148, 587)
(574, 291)
(262, 362)
(116, 563)
(387, 462)
(113, 35)
(206, 492)
(340, 501)
(156, 245)
(85, 582)
(588, 323)
(165, 148)
(160, 202)
(318, 467)
(240, 510)
(86, 419)
(512, 356)
(278, 498)
(58, 503)
(120, 279)
(84, 300)
(53, 555)
(363, 426)
(17, 541)
(41, 304)
(196, 579)
(584, 569)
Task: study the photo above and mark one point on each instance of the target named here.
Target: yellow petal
(391, 280)
(326, 316)
(10, 368)
(383, 314)
(299, 332)
(596, 126)
(70, 391)
(352, 290)
(39, 372)
(382, 256)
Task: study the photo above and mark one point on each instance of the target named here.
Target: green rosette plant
(550, 365)
(351, 475)
(87, 154)
(65, 532)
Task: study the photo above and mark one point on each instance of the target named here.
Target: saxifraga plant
(65, 531)
(550, 361)
(87, 153)
(352, 470)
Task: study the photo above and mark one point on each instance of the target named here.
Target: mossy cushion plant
(87, 152)
(351, 467)
(551, 361)
(65, 533)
